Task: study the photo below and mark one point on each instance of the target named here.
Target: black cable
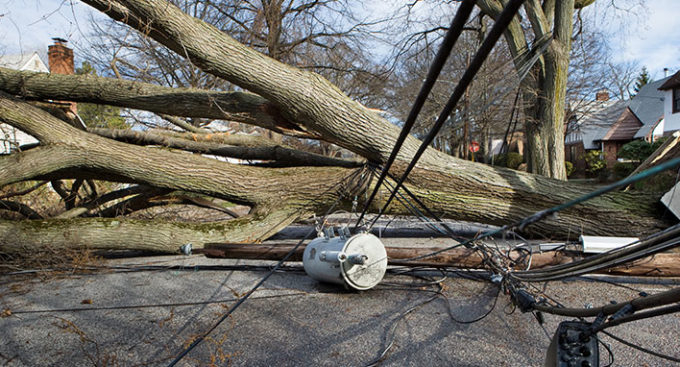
(477, 319)
(660, 299)
(611, 354)
(455, 30)
(641, 349)
(429, 212)
(412, 208)
(609, 351)
(639, 316)
(544, 213)
(670, 232)
(610, 259)
(612, 282)
(437, 293)
(627, 343)
(91, 270)
(389, 337)
(156, 305)
(643, 315)
(484, 50)
(233, 308)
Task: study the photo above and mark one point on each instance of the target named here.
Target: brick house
(621, 132)
(608, 125)
(588, 125)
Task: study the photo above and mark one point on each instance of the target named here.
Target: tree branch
(539, 22)
(16, 237)
(515, 36)
(23, 192)
(307, 98)
(457, 188)
(20, 208)
(231, 106)
(286, 156)
(111, 196)
(152, 199)
(183, 124)
(75, 150)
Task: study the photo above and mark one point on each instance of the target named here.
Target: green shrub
(595, 164)
(510, 160)
(500, 160)
(569, 167)
(639, 150)
(623, 169)
(514, 160)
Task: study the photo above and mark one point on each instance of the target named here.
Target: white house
(671, 107)
(30, 62)
(11, 138)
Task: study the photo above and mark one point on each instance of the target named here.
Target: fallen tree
(286, 100)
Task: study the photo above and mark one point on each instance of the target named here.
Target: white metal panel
(598, 244)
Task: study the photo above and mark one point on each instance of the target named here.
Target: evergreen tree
(95, 115)
(641, 80)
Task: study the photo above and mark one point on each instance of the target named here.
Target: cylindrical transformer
(359, 261)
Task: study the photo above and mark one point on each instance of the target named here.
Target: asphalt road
(145, 318)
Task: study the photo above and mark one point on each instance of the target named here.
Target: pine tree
(641, 80)
(95, 115)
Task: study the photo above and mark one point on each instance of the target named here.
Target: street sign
(474, 147)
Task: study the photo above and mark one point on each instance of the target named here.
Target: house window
(676, 100)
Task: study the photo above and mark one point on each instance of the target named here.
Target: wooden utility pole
(659, 265)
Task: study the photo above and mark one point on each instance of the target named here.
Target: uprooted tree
(291, 185)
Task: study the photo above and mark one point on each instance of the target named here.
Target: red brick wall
(611, 149)
(60, 59)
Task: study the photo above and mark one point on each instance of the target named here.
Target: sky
(29, 25)
(648, 36)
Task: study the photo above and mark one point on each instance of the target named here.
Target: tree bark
(286, 156)
(544, 89)
(141, 235)
(186, 102)
(455, 188)
(20, 208)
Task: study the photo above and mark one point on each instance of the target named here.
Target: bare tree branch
(285, 156)
(231, 106)
(20, 208)
(23, 192)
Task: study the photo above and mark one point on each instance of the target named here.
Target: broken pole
(659, 265)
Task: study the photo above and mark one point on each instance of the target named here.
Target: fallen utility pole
(667, 151)
(659, 265)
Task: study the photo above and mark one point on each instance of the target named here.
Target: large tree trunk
(544, 89)
(478, 194)
(309, 105)
(545, 123)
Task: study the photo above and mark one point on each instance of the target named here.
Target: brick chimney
(602, 95)
(60, 59)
